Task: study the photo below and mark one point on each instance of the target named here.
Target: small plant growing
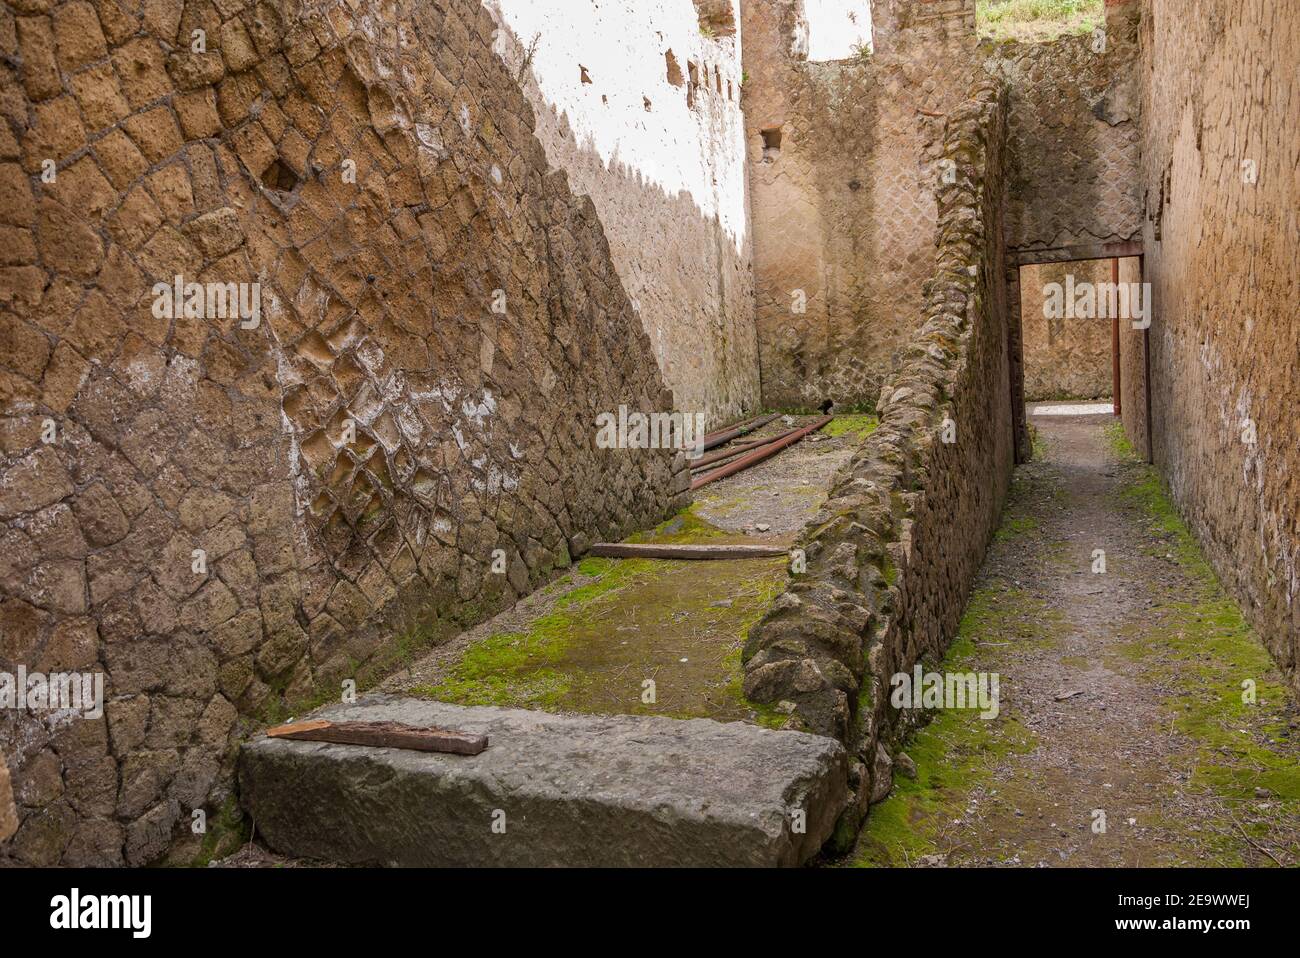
(529, 54)
(862, 52)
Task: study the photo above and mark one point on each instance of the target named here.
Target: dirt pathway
(1122, 736)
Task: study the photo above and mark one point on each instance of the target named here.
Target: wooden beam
(758, 455)
(734, 451)
(1062, 254)
(1116, 386)
(629, 550)
(383, 735)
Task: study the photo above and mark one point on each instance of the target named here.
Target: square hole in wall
(771, 143)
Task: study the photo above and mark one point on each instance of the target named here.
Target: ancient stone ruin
(311, 313)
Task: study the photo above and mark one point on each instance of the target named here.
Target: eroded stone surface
(235, 514)
(8, 813)
(571, 790)
(1219, 100)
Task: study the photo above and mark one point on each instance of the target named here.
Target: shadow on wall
(689, 277)
(241, 509)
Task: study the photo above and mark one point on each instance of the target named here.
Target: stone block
(570, 790)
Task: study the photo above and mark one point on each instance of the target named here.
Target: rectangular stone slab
(575, 790)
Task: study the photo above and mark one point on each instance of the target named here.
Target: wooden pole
(649, 550)
(758, 455)
(729, 453)
(1114, 340)
(383, 735)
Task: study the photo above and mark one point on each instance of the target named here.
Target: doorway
(1084, 338)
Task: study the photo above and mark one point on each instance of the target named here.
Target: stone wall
(641, 107)
(231, 511)
(892, 553)
(842, 166)
(1072, 138)
(1220, 96)
(842, 155)
(1072, 181)
(1065, 357)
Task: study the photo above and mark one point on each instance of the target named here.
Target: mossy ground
(678, 625)
(958, 749)
(1121, 693)
(1224, 692)
(860, 425)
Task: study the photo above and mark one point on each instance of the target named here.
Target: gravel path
(1120, 693)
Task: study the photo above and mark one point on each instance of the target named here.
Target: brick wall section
(1219, 158)
(474, 428)
(845, 211)
(1073, 153)
(892, 553)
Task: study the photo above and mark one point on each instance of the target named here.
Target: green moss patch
(958, 751)
(1014, 527)
(1202, 651)
(676, 624)
(227, 831)
(859, 425)
(954, 753)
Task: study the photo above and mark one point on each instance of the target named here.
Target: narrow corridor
(1125, 734)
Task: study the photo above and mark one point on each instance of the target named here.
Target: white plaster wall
(622, 43)
(668, 180)
(837, 28)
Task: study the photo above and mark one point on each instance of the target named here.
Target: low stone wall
(891, 555)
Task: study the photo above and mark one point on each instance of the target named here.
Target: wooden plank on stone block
(628, 550)
(383, 735)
